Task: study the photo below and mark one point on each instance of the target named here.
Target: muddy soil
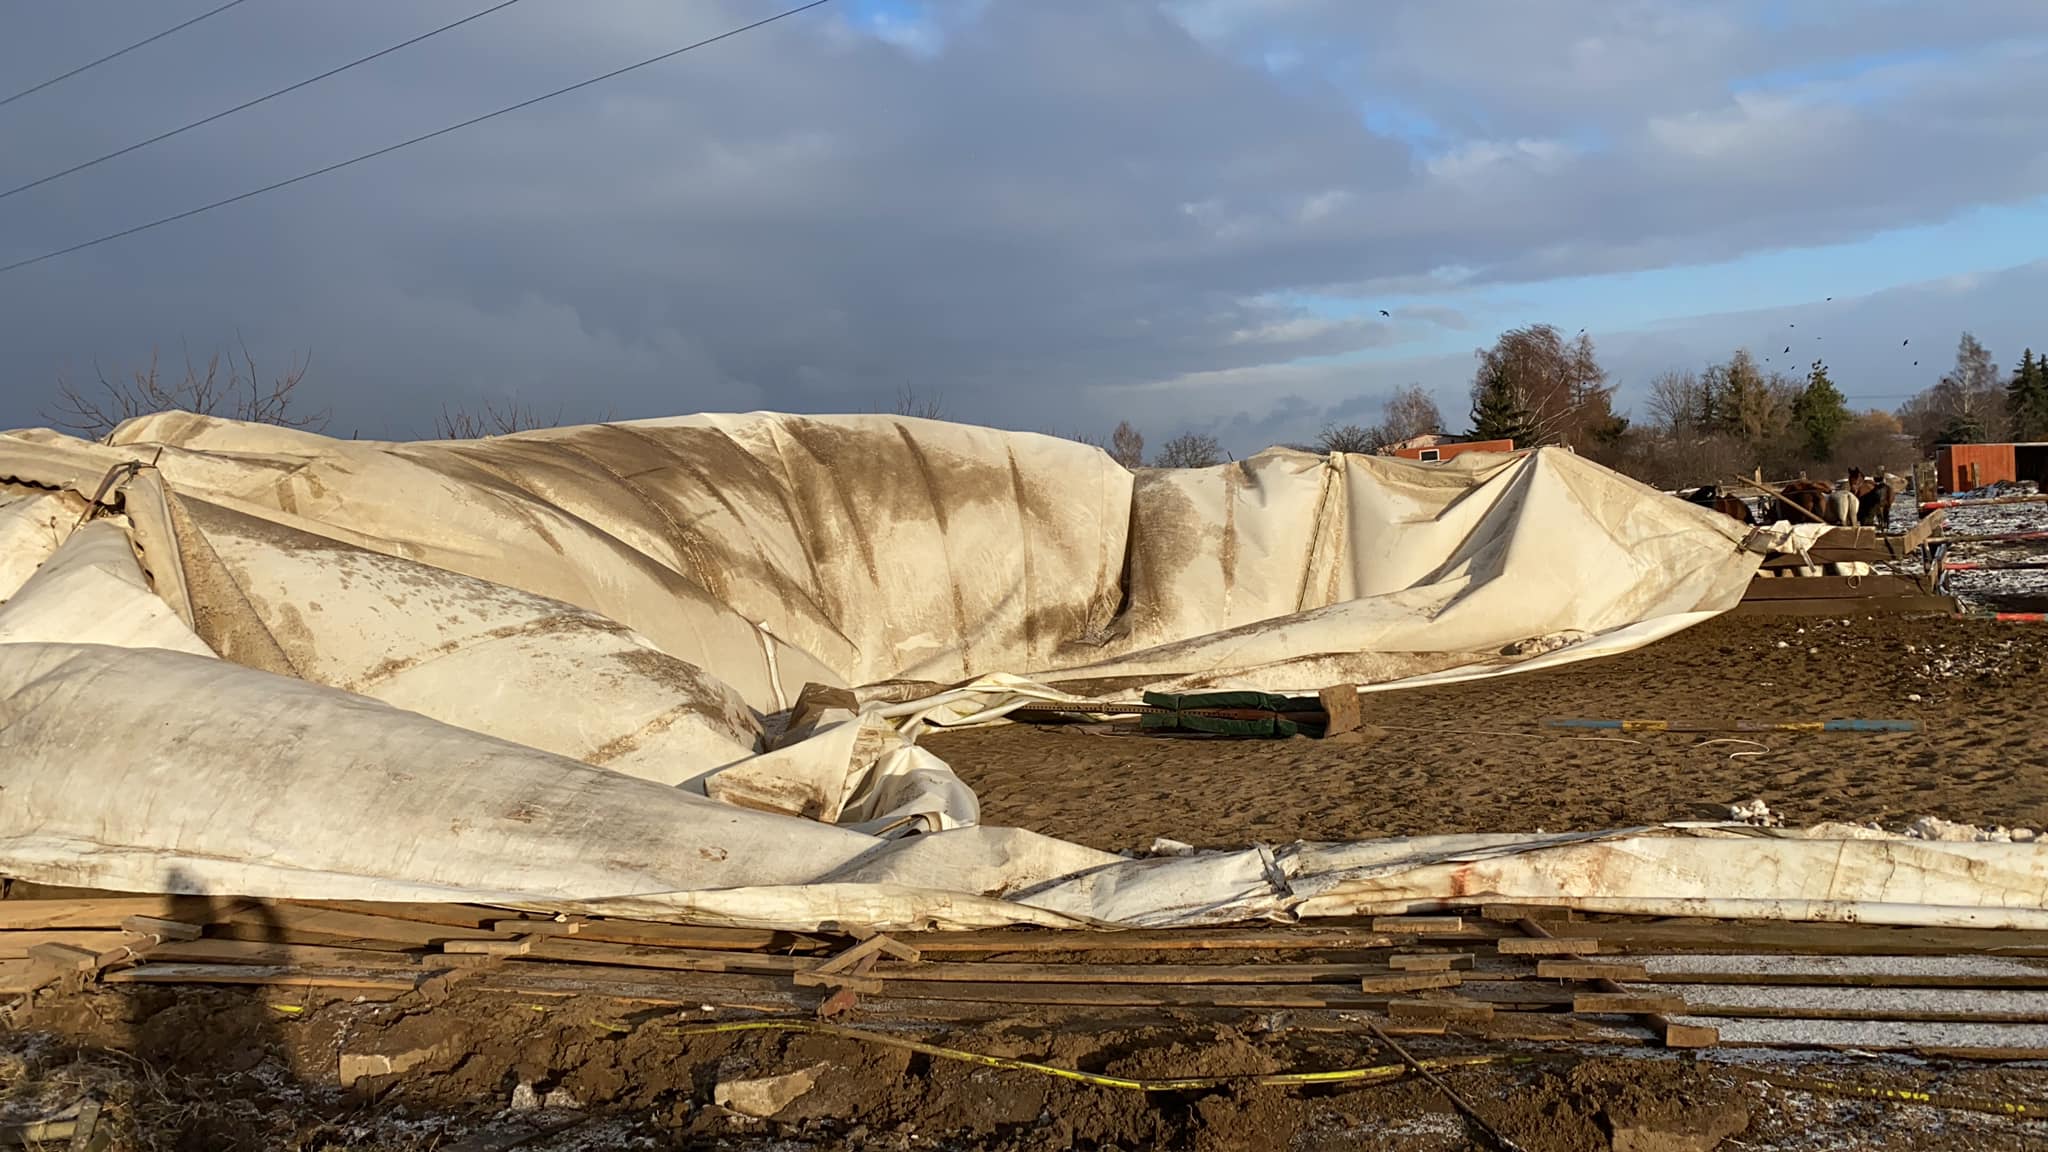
(237, 1070)
(1473, 757)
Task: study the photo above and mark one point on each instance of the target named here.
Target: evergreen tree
(1499, 411)
(1821, 412)
(1742, 403)
(2026, 398)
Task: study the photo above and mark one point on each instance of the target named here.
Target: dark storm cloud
(1066, 204)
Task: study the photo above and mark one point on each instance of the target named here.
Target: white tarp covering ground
(559, 668)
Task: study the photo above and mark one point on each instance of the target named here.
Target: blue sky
(1055, 214)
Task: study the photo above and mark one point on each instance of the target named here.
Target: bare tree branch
(239, 395)
(463, 423)
(909, 403)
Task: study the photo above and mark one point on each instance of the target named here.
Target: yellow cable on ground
(1176, 1084)
(1949, 1100)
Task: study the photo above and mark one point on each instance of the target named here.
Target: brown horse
(1711, 496)
(1810, 496)
(1875, 497)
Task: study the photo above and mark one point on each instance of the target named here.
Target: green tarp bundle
(1285, 715)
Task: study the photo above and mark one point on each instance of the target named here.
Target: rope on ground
(1950, 1100)
(1432, 731)
(1371, 1074)
(1765, 748)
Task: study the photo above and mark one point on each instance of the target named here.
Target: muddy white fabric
(466, 651)
(32, 525)
(211, 777)
(537, 670)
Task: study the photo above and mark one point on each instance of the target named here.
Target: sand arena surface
(1473, 757)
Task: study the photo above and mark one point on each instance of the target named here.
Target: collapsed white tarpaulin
(559, 669)
(216, 778)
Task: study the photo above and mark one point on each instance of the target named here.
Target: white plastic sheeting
(480, 670)
(32, 525)
(91, 591)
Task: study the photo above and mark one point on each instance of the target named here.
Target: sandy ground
(1474, 757)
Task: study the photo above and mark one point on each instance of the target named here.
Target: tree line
(1533, 385)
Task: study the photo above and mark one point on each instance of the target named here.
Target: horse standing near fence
(1874, 499)
(1711, 496)
(1797, 496)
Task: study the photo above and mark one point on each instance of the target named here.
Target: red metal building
(1431, 453)
(1963, 467)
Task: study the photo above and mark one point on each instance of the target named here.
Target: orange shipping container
(1438, 452)
(1963, 467)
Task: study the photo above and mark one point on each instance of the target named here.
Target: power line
(123, 52)
(390, 148)
(258, 100)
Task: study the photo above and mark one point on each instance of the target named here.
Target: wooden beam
(266, 976)
(1628, 1003)
(1447, 1009)
(1591, 970)
(108, 912)
(1547, 945)
(1409, 981)
(1420, 925)
(1429, 961)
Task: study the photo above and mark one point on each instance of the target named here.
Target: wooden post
(1340, 704)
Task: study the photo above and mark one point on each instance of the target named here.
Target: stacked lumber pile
(1492, 971)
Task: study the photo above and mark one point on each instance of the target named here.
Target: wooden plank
(518, 946)
(580, 951)
(1420, 925)
(994, 993)
(15, 945)
(1837, 606)
(1409, 981)
(23, 975)
(649, 933)
(2001, 1041)
(569, 927)
(1831, 587)
(64, 957)
(1341, 709)
(1447, 1009)
(850, 981)
(1590, 970)
(1680, 1035)
(301, 924)
(990, 970)
(472, 916)
(1509, 913)
(1429, 961)
(1628, 1003)
(269, 953)
(1957, 971)
(1761, 936)
(160, 929)
(852, 959)
(1554, 946)
(1154, 940)
(265, 976)
(2005, 1006)
(108, 912)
